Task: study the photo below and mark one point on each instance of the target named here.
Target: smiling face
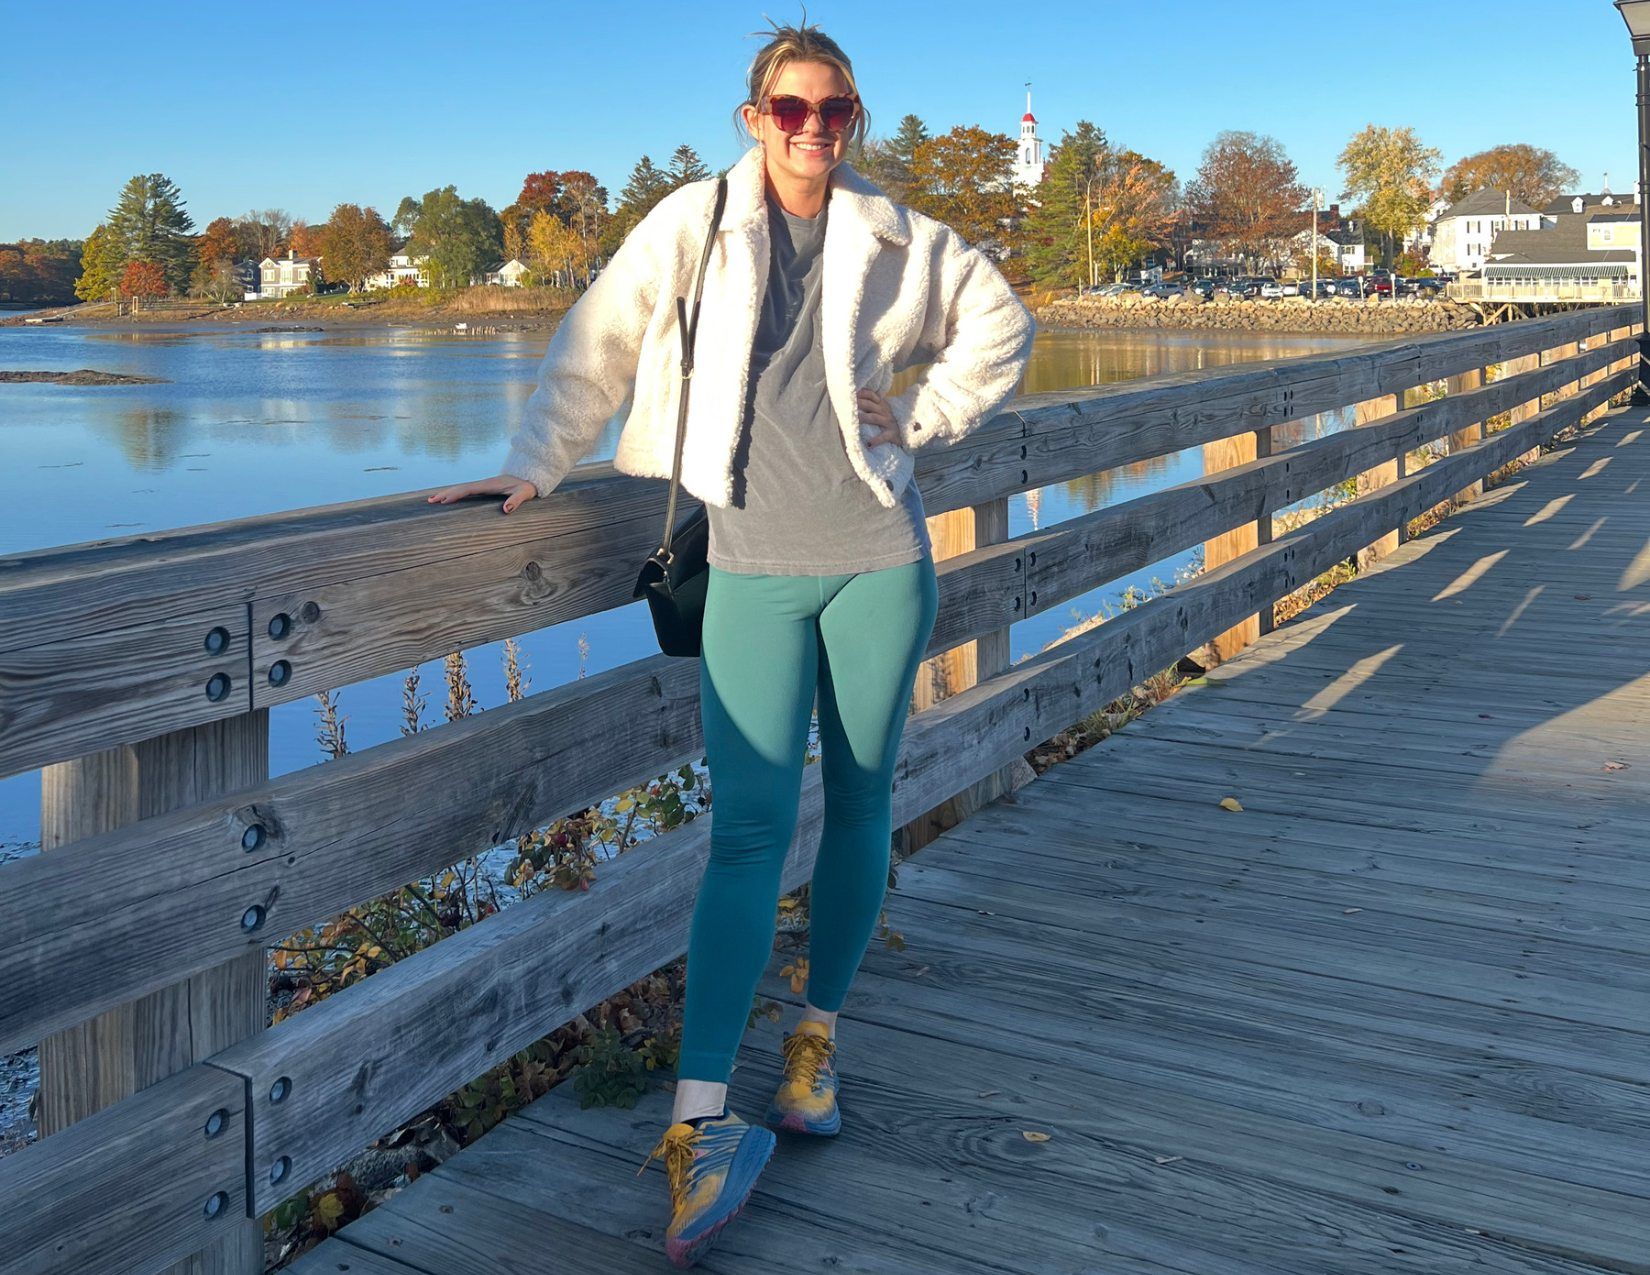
(807, 156)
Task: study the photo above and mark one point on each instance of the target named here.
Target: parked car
(1349, 286)
(1292, 287)
(1270, 290)
(1429, 286)
(1380, 283)
(1114, 289)
(1204, 288)
(1326, 288)
(1162, 291)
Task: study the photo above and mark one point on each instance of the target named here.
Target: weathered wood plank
(133, 1187)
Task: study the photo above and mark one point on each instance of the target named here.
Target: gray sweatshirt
(798, 506)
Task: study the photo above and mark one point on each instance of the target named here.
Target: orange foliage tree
(143, 279)
(965, 178)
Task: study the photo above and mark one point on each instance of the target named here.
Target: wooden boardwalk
(1392, 1016)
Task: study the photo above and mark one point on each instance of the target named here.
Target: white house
(1462, 234)
(404, 267)
(1592, 254)
(282, 276)
(1341, 246)
(509, 274)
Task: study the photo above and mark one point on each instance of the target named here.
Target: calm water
(252, 423)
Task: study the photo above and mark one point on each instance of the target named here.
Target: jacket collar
(852, 195)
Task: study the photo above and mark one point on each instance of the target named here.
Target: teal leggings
(770, 642)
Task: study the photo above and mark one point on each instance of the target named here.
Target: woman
(821, 573)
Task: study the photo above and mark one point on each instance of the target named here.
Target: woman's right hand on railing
(513, 489)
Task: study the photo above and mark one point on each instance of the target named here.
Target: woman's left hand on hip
(874, 410)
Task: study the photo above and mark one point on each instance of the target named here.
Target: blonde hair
(800, 43)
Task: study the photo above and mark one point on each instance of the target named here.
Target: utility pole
(1088, 223)
(1317, 198)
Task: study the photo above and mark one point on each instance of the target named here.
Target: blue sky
(304, 105)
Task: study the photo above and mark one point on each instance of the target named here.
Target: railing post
(1228, 453)
(954, 532)
(1468, 435)
(1522, 411)
(1382, 475)
(113, 1055)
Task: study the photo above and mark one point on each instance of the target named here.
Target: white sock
(812, 1014)
(698, 1098)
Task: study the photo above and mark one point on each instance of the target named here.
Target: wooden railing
(139, 673)
(1603, 292)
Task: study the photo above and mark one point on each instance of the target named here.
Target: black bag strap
(689, 328)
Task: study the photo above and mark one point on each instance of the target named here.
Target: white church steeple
(1028, 160)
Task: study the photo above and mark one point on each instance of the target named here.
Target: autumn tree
(1247, 195)
(39, 271)
(460, 236)
(355, 244)
(1133, 209)
(1530, 173)
(143, 279)
(585, 202)
(513, 224)
(100, 266)
(216, 251)
(304, 240)
(1390, 172)
(148, 223)
(539, 192)
(263, 234)
(965, 178)
(554, 250)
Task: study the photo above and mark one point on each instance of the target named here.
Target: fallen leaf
(1168, 1159)
(1230, 803)
(1615, 765)
(1031, 1135)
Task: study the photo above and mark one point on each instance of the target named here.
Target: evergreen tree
(686, 166)
(1055, 232)
(911, 134)
(148, 223)
(648, 184)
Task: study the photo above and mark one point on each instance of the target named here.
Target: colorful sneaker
(806, 1098)
(711, 1167)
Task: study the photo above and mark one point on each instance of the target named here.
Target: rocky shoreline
(1291, 314)
(82, 376)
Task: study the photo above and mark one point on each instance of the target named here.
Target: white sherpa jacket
(899, 288)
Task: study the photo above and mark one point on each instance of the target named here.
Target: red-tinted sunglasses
(791, 113)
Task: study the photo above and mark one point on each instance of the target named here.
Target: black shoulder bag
(674, 577)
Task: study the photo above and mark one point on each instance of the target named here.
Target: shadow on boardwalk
(1392, 1016)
